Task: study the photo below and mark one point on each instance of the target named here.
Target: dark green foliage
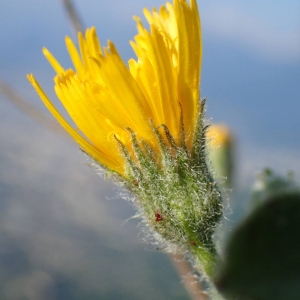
(262, 261)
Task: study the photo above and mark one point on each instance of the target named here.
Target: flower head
(145, 122)
(104, 97)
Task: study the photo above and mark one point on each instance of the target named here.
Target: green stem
(207, 261)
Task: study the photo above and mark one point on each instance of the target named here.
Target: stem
(207, 261)
(73, 16)
(192, 285)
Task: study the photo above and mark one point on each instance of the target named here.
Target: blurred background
(62, 227)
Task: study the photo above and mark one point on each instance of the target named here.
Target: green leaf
(262, 260)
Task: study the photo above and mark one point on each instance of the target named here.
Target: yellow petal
(86, 146)
(52, 61)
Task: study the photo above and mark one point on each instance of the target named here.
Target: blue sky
(269, 29)
(250, 72)
(250, 76)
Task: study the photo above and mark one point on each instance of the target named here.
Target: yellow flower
(220, 135)
(104, 97)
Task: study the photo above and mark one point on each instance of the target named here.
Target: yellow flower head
(144, 122)
(108, 100)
